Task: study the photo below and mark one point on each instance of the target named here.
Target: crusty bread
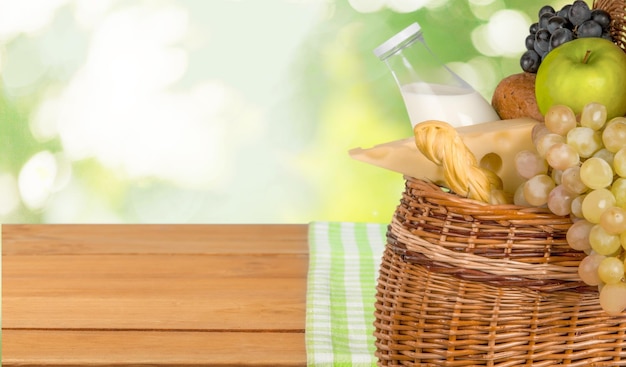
(514, 97)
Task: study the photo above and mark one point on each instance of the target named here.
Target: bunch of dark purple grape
(554, 28)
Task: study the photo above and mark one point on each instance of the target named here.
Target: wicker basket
(463, 283)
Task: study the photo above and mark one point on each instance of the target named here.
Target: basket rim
(507, 245)
(472, 206)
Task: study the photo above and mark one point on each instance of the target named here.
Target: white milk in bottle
(454, 105)
(429, 89)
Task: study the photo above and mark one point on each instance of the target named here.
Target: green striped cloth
(343, 266)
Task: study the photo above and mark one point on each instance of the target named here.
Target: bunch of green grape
(579, 169)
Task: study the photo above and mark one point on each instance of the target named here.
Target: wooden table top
(158, 295)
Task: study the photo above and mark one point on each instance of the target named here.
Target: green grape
(578, 235)
(588, 269)
(613, 298)
(584, 140)
(618, 189)
(595, 203)
(604, 154)
(593, 116)
(538, 131)
(560, 201)
(546, 141)
(619, 162)
(529, 164)
(562, 156)
(572, 182)
(582, 161)
(560, 119)
(577, 206)
(518, 197)
(603, 242)
(611, 270)
(596, 173)
(537, 189)
(613, 220)
(614, 134)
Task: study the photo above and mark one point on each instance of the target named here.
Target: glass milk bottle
(429, 89)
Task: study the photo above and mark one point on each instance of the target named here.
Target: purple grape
(601, 17)
(530, 42)
(530, 61)
(564, 12)
(560, 36)
(557, 22)
(589, 28)
(546, 9)
(543, 20)
(533, 28)
(579, 12)
(542, 41)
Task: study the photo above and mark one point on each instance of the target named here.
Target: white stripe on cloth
(344, 258)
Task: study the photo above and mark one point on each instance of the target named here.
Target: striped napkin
(343, 266)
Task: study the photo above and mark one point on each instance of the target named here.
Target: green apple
(582, 71)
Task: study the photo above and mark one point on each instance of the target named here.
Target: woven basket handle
(441, 144)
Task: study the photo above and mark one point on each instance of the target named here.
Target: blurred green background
(195, 111)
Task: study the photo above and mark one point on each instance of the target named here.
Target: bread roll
(514, 97)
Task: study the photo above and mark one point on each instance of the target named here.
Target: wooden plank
(25, 348)
(154, 295)
(36, 239)
(162, 307)
(154, 266)
(179, 292)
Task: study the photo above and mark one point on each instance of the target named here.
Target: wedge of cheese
(496, 142)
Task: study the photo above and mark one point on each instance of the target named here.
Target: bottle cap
(394, 41)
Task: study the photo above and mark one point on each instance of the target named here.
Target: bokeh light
(9, 193)
(36, 179)
(26, 16)
(501, 34)
(193, 111)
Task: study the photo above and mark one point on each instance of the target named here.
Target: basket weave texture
(463, 283)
